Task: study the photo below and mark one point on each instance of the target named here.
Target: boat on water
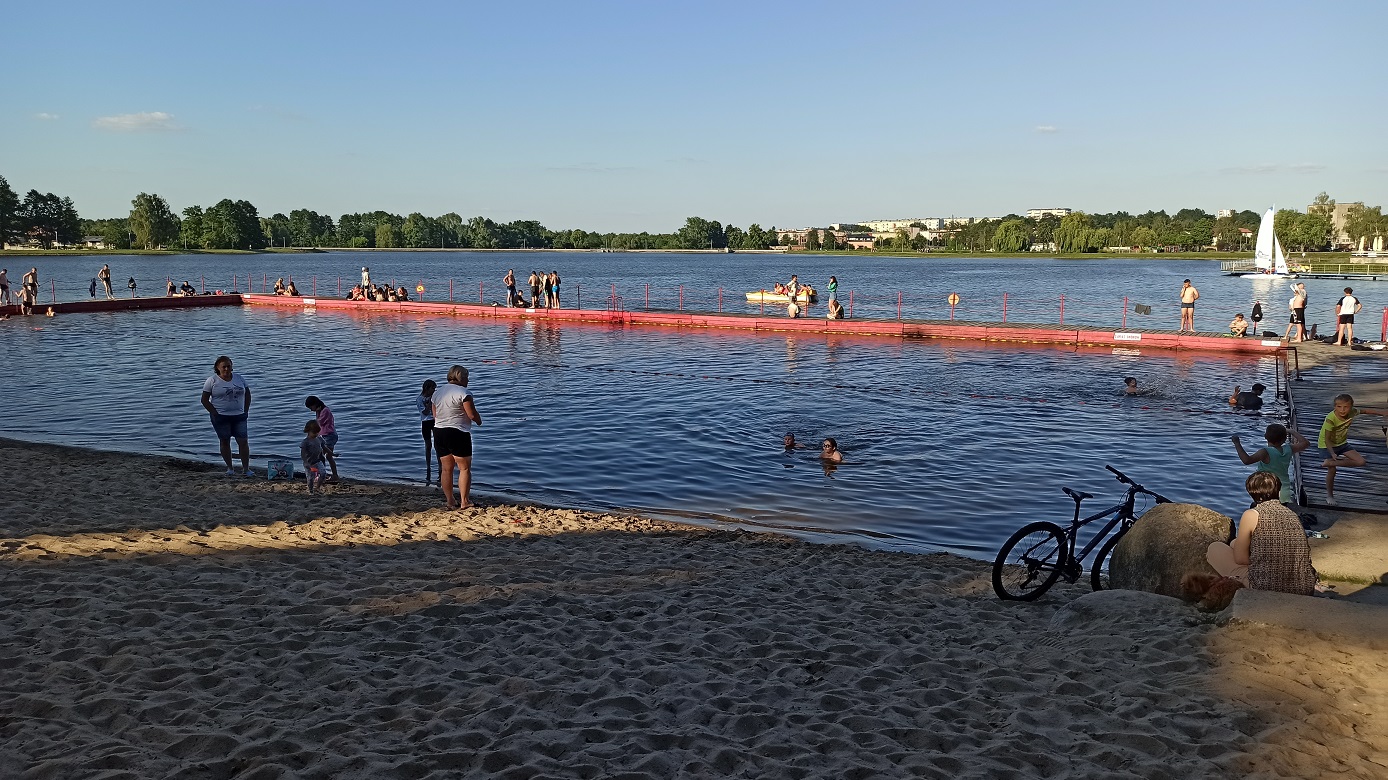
(1268, 257)
(806, 295)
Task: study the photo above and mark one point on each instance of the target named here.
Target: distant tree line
(236, 224)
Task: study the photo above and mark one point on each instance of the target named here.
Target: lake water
(948, 445)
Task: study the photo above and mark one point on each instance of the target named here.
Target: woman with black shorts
(454, 415)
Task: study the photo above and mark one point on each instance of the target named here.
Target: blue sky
(632, 116)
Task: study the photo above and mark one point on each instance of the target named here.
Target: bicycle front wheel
(1098, 578)
(1030, 562)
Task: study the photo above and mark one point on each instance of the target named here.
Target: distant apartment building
(1224, 214)
(1058, 213)
(1339, 214)
(890, 225)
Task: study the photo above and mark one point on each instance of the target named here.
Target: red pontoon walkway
(925, 329)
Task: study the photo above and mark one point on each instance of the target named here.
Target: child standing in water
(329, 430)
(425, 404)
(311, 453)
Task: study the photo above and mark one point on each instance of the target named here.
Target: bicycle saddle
(1077, 496)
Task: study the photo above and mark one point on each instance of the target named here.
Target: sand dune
(174, 623)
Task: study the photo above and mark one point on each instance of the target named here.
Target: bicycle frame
(1122, 513)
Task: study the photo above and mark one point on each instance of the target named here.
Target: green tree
(828, 241)
(1072, 236)
(1364, 224)
(812, 240)
(481, 233)
(756, 237)
(152, 221)
(1323, 204)
(1311, 232)
(1284, 225)
(418, 232)
(737, 239)
(10, 231)
(451, 224)
(1011, 236)
(387, 235)
(1143, 237)
(190, 231)
(49, 218)
(276, 229)
(1226, 235)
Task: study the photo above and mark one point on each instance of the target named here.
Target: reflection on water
(946, 444)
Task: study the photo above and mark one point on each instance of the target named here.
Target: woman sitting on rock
(1270, 551)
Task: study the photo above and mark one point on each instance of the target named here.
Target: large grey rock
(1164, 545)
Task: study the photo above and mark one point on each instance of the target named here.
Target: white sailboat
(1268, 257)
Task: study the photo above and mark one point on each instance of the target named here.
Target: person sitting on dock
(835, 309)
(1247, 399)
(1238, 326)
(291, 289)
(170, 289)
(793, 309)
(402, 294)
(187, 289)
(279, 286)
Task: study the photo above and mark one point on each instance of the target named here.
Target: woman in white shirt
(454, 415)
(227, 397)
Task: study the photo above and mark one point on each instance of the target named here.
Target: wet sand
(161, 620)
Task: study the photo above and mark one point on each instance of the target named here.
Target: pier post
(315, 287)
(233, 283)
(339, 286)
(681, 297)
(204, 283)
(1004, 308)
(720, 301)
(480, 294)
(1062, 309)
(1383, 334)
(450, 290)
(1125, 312)
(850, 304)
(578, 300)
(614, 297)
(898, 307)
(52, 290)
(648, 296)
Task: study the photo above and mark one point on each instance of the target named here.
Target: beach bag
(280, 469)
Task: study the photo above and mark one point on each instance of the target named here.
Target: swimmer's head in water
(1130, 381)
(829, 445)
(1258, 389)
(790, 440)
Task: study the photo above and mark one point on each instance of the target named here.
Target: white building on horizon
(1053, 212)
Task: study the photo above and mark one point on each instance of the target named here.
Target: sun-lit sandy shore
(160, 620)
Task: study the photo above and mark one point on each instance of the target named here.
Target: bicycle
(1040, 553)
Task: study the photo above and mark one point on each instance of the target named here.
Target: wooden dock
(1327, 371)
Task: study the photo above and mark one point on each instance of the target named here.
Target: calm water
(948, 445)
(1094, 290)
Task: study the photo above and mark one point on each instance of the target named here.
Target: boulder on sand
(1168, 542)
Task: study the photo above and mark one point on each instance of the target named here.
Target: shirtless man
(1296, 329)
(4, 287)
(510, 282)
(104, 276)
(1189, 295)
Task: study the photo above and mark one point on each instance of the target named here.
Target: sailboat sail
(1279, 260)
(1262, 254)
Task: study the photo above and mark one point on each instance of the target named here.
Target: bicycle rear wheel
(1030, 562)
(1098, 578)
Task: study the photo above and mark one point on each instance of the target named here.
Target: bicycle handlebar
(1126, 480)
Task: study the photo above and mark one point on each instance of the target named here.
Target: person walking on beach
(553, 282)
(1296, 327)
(104, 276)
(1189, 295)
(311, 452)
(227, 397)
(328, 428)
(510, 281)
(424, 403)
(1345, 309)
(454, 415)
(4, 287)
(1334, 439)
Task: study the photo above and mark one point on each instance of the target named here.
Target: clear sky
(630, 116)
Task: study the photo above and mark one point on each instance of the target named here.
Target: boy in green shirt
(1334, 440)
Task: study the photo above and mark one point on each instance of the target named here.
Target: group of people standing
(544, 290)
(447, 415)
(28, 290)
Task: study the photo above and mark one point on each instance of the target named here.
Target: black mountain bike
(1043, 552)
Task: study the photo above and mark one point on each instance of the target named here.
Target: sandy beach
(161, 620)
